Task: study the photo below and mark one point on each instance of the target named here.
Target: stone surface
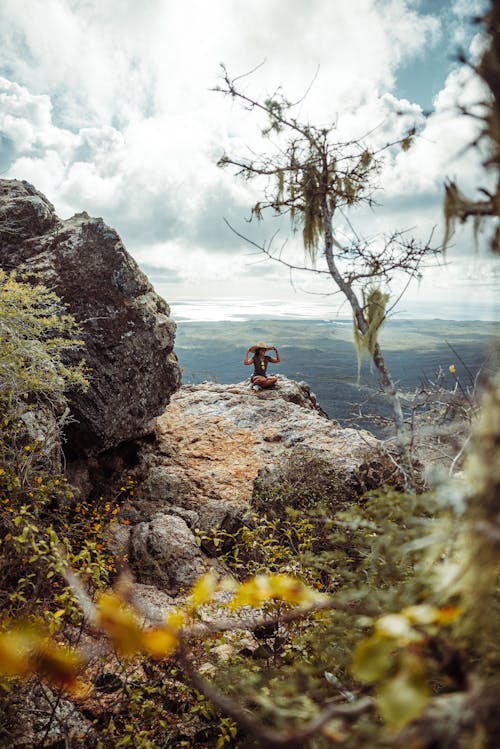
(24, 213)
(163, 552)
(126, 326)
(153, 604)
(213, 440)
(45, 718)
(40, 425)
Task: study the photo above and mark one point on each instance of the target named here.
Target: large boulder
(215, 445)
(24, 213)
(126, 327)
(164, 552)
(213, 441)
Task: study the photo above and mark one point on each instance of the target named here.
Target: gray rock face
(213, 441)
(40, 425)
(24, 213)
(126, 326)
(44, 718)
(163, 552)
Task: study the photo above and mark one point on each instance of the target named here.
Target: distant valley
(322, 354)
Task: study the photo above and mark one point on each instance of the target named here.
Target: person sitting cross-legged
(260, 361)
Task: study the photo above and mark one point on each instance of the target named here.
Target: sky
(108, 106)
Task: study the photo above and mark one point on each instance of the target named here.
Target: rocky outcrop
(126, 326)
(212, 442)
(24, 214)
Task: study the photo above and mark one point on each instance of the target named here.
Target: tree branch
(253, 724)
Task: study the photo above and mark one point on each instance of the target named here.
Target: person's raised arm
(247, 360)
(276, 359)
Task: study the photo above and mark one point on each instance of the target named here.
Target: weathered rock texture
(126, 326)
(212, 442)
(165, 552)
(40, 717)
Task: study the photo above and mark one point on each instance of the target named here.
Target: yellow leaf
(333, 731)
(447, 614)
(175, 619)
(395, 626)
(425, 614)
(421, 614)
(253, 592)
(120, 622)
(402, 698)
(58, 613)
(56, 663)
(293, 591)
(261, 588)
(15, 648)
(372, 659)
(80, 689)
(159, 642)
(203, 589)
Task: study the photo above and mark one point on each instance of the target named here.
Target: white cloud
(106, 107)
(442, 149)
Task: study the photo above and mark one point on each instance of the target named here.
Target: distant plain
(322, 354)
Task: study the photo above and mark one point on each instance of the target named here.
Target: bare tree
(315, 179)
(457, 206)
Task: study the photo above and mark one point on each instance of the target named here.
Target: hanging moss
(349, 190)
(280, 176)
(456, 205)
(477, 226)
(257, 211)
(313, 227)
(453, 200)
(374, 307)
(366, 159)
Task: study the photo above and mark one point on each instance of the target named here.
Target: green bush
(374, 552)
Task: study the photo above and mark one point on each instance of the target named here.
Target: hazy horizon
(244, 310)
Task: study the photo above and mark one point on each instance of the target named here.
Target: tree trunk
(384, 376)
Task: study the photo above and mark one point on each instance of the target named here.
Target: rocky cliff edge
(212, 442)
(126, 327)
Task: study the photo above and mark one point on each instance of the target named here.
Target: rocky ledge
(212, 442)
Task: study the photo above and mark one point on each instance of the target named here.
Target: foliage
(367, 551)
(36, 333)
(42, 529)
(458, 207)
(384, 628)
(386, 655)
(37, 336)
(301, 481)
